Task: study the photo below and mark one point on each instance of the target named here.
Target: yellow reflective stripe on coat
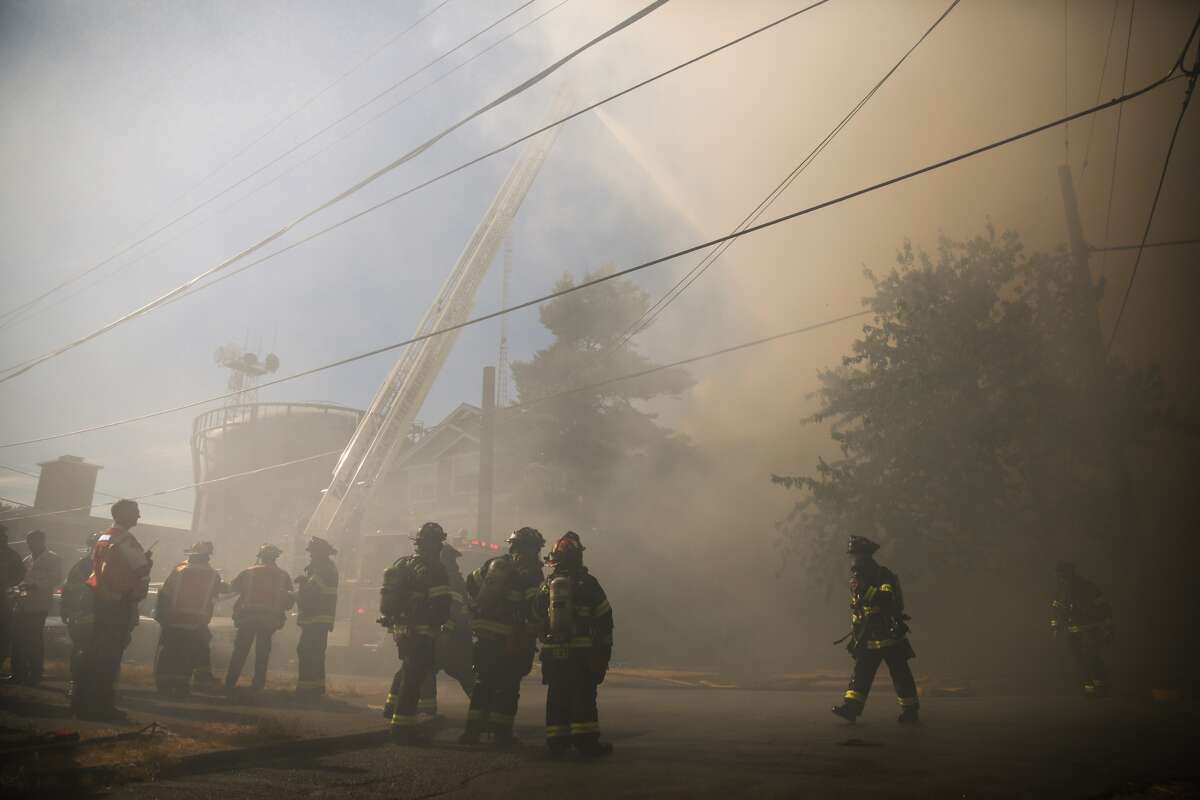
(879, 644)
(602, 609)
(870, 594)
(491, 626)
(439, 591)
(885, 587)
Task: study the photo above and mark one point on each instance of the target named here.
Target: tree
(589, 447)
(971, 419)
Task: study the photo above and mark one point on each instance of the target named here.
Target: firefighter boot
(909, 716)
(592, 747)
(848, 711)
(503, 739)
(470, 736)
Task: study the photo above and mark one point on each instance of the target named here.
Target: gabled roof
(461, 423)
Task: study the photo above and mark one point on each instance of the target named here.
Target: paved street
(726, 743)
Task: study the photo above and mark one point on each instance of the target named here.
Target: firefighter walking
(577, 639)
(120, 578)
(414, 605)
(453, 652)
(879, 633)
(264, 596)
(184, 611)
(78, 609)
(1083, 615)
(316, 600)
(501, 595)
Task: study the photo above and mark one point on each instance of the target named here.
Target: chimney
(67, 483)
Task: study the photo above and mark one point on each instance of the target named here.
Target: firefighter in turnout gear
(577, 640)
(264, 597)
(316, 598)
(78, 609)
(183, 612)
(453, 653)
(120, 578)
(501, 596)
(879, 633)
(414, 604)
(1081, 613)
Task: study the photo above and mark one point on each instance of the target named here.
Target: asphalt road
(740, 743)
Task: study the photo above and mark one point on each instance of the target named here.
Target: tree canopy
(976, 416)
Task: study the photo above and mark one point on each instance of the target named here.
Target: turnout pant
(417, 664)
(180, 654)
(866, 663)
(28, 646)
(310, 655)
(571, 714)
(453, 657)
(113, 624)
(260, 637)
(500, 664)
(1086, 651)
(79, 633)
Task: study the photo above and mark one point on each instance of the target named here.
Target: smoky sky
(114, 109)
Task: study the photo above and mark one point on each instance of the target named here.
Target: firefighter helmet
(569, 548)
(526, 539)
(200, 549)
(318, 546)
(861, 546)
(269, 552)
(430, 532)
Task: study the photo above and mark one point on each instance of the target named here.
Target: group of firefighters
(482, 630)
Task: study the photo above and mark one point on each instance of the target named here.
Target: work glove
(599, 659)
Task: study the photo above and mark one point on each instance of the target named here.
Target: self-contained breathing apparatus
(562, 609)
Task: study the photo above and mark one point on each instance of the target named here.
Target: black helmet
(430, 532)
(526, 539)
(860, 546)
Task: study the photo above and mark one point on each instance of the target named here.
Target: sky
(115, 113)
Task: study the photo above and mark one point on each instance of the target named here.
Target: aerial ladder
(384, 427)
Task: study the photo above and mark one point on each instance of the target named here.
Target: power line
(345, 193)
(29, 303)
(1187, 97)
(1112, 180)
(574, 390)
(197, 485)
(291, 168)
(1112, 27)
(652, 313)
(27, 473)
(1168, 77)
(1144, 246)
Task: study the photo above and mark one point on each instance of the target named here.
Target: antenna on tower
(502, 392)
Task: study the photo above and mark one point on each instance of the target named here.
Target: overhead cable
(573, 390)
(652, 313)
(345, 193)
(294, 166)
(1146, 246)
(932, 167)
(1112, 27)
(30, 474)
(1137, 261)
(197, 485)
(5, 316)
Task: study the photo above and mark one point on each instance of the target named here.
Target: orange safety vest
(119, 566)
(190, 593)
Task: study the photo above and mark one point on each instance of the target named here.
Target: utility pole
(1092, 343)
(487, 455)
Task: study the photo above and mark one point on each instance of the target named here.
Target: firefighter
(453, 652)
(1082, 612)
(120, 578)
(501, 595)
(78, 608)
(264, 597)
(879, 632)
(316, 599)
(415, 604)
(577, 639)
(183, 612)
(11, 573)
(43, 574)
